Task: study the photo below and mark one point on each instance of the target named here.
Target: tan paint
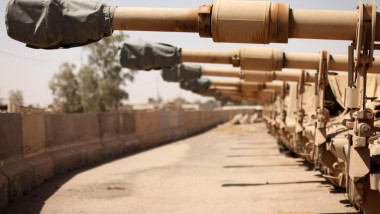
(323, 24)
(269, 59)
(221, 72)
(258, 76)
(247, 86)
(236, 94)
(156, 19)
(243, 22)
(249, 21)
(207, 56)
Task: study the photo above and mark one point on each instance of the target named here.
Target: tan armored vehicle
(296, 136)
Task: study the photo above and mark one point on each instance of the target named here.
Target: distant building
(12, 108)
(201, 106)
(145, 107)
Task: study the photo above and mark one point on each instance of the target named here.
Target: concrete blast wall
(36, 147)
(148, 128)
(10, 135)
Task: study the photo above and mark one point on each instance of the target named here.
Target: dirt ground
(235, 169)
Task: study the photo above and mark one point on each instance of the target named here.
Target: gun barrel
(277, 86)
(236, 94)
(269, 59)
(259, 86)
(259, 22)
(221, 72)
(225, 90)
(323, 24)
(156, 19)
(228, 83)
(262, 97)
(311, 61)
(248, 86)
(207, 56)
(293, 76)
(258, 76)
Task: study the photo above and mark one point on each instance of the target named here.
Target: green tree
(65, 88)
(89, 89)
(99, 84)
(102, 58)
(151, 100)
(111, 95)
(16, 97)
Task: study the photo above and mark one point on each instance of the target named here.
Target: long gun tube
(232, 93)
(246, 91)
(237, 96)
(243, 22)
(228, 86)
(247, 86)
(269, 59)
(260, 22)
(258, 76)
(156, 55)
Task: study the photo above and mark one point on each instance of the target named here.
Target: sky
(30, 70)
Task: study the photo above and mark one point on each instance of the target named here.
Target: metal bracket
(283, 89)
(300, 114)
(236, 58)
(241, 75)
(302, 82)
(322, 113)
(204, 20)
(282, 95)
(360, 53)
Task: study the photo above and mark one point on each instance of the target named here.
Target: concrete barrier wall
(109, 128)
(33, 133)
(4, 191)
(10, 135)
(34, 143)
(172, 125)
(127, 132)
(127, 123)
(16, 174)
(148, 128)
(36, 147)
(73, 140)
(191, 119)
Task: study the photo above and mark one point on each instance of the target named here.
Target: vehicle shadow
(263, 165)
(271, 183)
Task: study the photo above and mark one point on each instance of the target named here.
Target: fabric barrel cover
(140, 55)
(52, 24)
(199, 86)
(182, 73)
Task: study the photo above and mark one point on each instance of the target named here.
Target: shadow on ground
(268, 165)
(272, 183)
